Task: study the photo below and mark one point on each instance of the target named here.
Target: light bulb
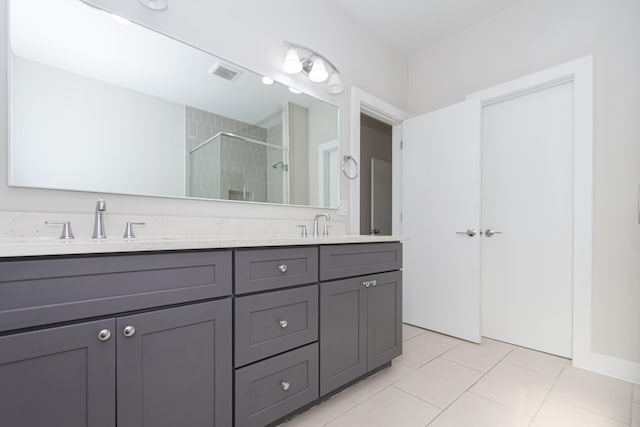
(292, 62)
(318, 71)
(335, 84)
(267, 80)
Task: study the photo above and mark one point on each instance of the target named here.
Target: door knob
(470, 232)
(489, 232)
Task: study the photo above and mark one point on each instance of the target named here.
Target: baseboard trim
(622, 369)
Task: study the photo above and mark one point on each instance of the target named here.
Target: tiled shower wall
(201, 125)
(243, 170)
(229, 168)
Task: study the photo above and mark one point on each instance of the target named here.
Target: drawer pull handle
(282, 268)
(368, 283)
(129, 331)
(284, 324)
(104, 335)
(285, 385)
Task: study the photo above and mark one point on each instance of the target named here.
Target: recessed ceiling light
(267, 80)
(294, 90)
(120, 20)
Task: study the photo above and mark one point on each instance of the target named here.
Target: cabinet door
(174, 367)
(58, 377)
(343, 316)
(384, 318)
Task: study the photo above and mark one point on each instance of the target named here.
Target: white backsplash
(15, 224)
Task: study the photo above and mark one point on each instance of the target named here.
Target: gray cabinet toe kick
(224, 337)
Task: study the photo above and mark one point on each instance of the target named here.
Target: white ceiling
(412, 25)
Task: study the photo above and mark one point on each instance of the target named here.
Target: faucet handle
(67, 233)
(128, 230)
(325, 231)
(303, 231)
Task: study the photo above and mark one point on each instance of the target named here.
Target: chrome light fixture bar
(313, 65)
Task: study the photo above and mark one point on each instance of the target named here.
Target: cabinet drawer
(264, 269)
(338, 261)
(42, 291)
(269, 390)
(273, 322)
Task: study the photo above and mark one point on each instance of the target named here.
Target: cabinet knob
(282, 268)
(128, 331)
(285, 385)
(104, 335)
(284, 324)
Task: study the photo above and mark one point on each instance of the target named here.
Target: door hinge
(400, 216)
(401, 144)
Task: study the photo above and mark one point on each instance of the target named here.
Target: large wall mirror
(101, 104)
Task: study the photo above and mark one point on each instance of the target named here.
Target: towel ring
(345, 159)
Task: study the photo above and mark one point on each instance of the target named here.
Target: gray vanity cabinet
(384, 318)
(343, 327)
(174, 367)
(61, 376)
(167, 367)
(272, 388)
(338, 261)
(147, 339)
(360, 317)
(160, 356)
(273, 268)
(274, 322)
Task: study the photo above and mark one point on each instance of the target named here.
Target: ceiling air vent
(224, 71)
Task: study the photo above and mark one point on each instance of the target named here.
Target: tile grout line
(547, 398)
(356, 404)
(469, 388)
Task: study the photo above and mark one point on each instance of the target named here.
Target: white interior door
(527, 197)
(441, 198)
(380, 197)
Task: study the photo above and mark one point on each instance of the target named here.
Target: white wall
(538, 34)
(138, 133)
(250, 33)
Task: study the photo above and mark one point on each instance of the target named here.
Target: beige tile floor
(441, 381)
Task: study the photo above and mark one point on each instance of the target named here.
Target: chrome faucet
(98, 224)
(315, 222)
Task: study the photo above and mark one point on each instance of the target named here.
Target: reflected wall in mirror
(101, 104)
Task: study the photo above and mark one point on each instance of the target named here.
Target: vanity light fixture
(294, 90)
(157, 5)
(313, 65)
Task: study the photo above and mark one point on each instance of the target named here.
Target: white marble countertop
(38, 246)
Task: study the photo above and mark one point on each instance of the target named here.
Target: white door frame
(363, 102)
(580, 73)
